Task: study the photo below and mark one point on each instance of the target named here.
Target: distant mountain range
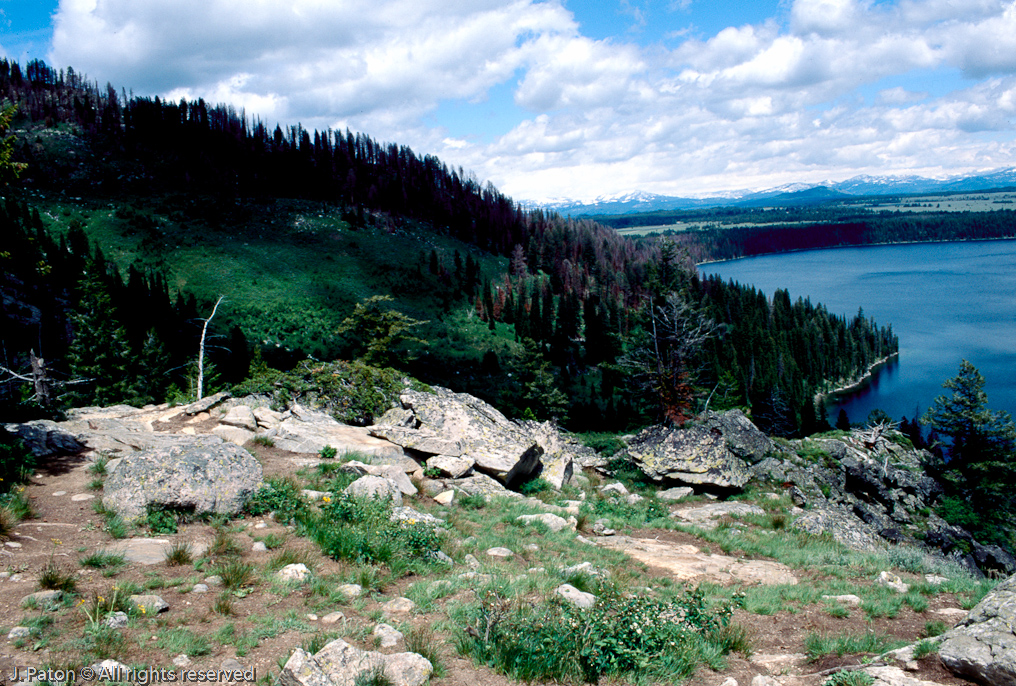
(790, 194)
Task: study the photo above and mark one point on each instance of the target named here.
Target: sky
(579, 99)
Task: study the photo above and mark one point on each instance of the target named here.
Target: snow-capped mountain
(639, 201)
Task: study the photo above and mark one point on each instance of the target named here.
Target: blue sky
(579, 99)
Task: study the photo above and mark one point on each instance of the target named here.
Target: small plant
(116, 526)
(328, 453)
(265, 441)
(534, 486)
(471, 501)
(17, 504)
(179, 554)
(925, 648)
(102, 559)
(432, 472)
(420, 640)
(374, 676)
(281, 496)
(850, 678)
(820, 645)
(161, 521)
(54, 578)
(933, 629)
(223, 605)
(98, 467)
(223, 545)
(95, 485)
(236, 575)
(274, 540)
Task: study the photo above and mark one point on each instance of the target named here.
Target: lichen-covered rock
(213, 479)
(339, 664)
(983, 646)
(841, 525)
(743, 438)
(450, 466)
(697, 455)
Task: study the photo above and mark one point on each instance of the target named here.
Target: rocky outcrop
(339, 664)
(214, 479)
(983, 646)
(45, 438)
(458, 425)
(713, 453)
(308, 431)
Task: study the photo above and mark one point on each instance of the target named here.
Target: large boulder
(214, 479)
(697, 455)
(339, 664)
(983, 646)
(743, 438)
(442, 422)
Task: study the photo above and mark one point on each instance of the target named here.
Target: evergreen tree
(99, 355)
(843, 421)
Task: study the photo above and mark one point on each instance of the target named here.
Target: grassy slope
(290, 270)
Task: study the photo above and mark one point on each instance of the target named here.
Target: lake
(946, 302)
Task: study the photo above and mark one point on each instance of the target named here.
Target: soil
(66, 528)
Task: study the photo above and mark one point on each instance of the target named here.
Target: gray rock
(333, 618)
(350, 591)
(19, 632)
(215, 480)
(578, 598)
(893, 581)
(376, 487)
(551, 521)
(696, 455)
(44, 438)
(706, 515)
(743, 439)
(241, 416)
(614, 488)
(116, 620)
(983, 646)
(452, 467)
(676, 493)
(42, 599)
(294, 573)
(398, 606)
(841, 525)
(481, 484)
(502, 553)
(200, 588)
(206, 404)
(233, 434)
(339, 664)
(181, 660)
(387, 636)
(152, 604)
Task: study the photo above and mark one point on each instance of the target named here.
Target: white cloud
(752, 105)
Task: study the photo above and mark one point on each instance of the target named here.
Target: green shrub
(534, 486)
(281, 496)
(471, 501)
(819, 645)
(361, 530)
(850, 678)
(161, 521)
(102, 559)
(328, 453)
(619, 636)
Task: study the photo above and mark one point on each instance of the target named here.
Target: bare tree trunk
(201, 350)
(41, 381)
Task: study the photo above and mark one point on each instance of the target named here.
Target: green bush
(281, 496)
(854, 678)
(604, 443)
(352, 392)
(362, 530)
(161, 521)
(619, 636)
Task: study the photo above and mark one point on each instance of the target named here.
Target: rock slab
(983, 646)
(339, 664)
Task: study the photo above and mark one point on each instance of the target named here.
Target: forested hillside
(133, 215)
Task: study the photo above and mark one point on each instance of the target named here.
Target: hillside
(168, 206)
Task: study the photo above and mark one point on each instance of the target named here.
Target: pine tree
(99, 355)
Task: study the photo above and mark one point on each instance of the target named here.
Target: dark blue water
(946, 302)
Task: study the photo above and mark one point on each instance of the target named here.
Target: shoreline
(862, 245)
(822, 396)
